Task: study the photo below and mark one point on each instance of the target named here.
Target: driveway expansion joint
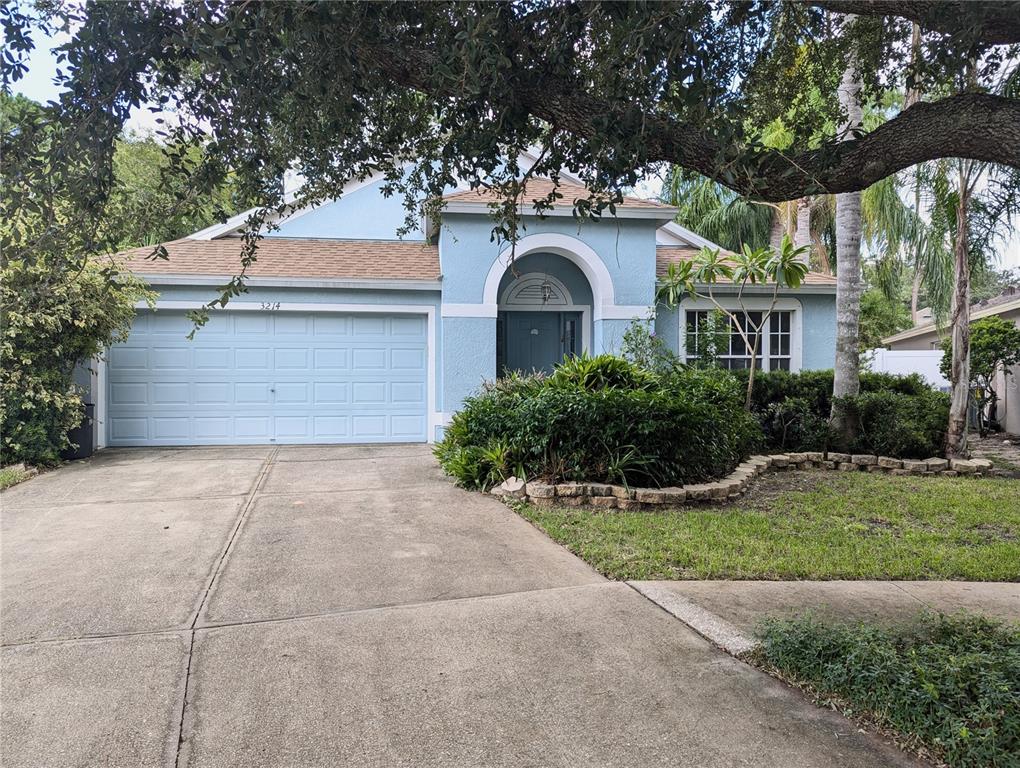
(713, 628)
(184, 727)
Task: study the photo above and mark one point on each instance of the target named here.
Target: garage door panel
(212, 393)
(269, 377)
(125, 357)
(331, 393)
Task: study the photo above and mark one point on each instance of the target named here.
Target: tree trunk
(915, 290)
(777, 231)
(956, 436)
(846, 379)
(803, 234)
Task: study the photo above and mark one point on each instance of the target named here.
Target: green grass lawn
(810, 525)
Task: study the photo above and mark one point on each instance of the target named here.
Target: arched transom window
(536, 291)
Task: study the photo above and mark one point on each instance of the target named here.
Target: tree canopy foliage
(608, 90)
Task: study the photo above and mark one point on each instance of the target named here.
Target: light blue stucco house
(350, 334)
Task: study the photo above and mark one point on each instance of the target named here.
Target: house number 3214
(270, 305)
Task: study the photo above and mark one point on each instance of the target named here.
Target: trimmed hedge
(601, 419)
(897, 416)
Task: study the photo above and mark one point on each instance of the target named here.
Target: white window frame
(751, 304)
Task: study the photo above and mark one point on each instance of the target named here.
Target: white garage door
(269, 377)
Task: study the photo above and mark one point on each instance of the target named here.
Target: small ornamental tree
(785, 267)
(994, 346)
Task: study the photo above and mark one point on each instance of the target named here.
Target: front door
(537, 341)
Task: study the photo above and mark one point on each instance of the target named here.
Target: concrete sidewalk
(728, 612)
(347, 606)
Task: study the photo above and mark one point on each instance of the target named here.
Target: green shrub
(952, 684)
(895, 424)
(600, 419)
(601, 372)
(815, 387)
(643, 347)
(54, 317)
(898, 416)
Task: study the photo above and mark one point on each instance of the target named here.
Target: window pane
(779, 341)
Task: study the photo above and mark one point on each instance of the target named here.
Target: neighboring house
(926, 336)
(349, 334)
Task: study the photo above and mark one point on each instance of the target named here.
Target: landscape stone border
(606, 496)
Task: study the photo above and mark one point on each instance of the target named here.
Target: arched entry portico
(547, 299)
(540, 320)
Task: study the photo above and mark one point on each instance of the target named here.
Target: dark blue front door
(537, 341)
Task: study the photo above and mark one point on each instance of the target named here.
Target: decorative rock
(839, 458)
(806, 465)
(622, 492)
(698, 492)
(606, 502)
(600, 489)
(875, 468)
(827, 464)
(765, 461)
(572, 501)
(963, 466)
(780, 460)
(847, 466)
(541, 491)
(649, 495)
(864, 459)
(543, 501)
(673, 495)
(915, 467)
(512, 486)
(949, 473)
(571, 489)
(899, 472)
(629, 504)
(885, 461)
(718, 490)
(797, 458)
(982, 464)
(815, 456)
(936, 464)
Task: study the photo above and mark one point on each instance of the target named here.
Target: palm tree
(849, 231)
(718, 213)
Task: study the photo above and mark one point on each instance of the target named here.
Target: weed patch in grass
(947, 685)
(13, 475)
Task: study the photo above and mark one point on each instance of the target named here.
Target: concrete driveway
(348, 606)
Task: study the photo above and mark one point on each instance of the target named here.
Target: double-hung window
(715, 334)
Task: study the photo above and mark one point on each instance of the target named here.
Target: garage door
(269, 377)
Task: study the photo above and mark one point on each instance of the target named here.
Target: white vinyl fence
(905, 361)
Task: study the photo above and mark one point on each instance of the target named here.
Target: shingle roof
(539, 189)
(667, 254)
(286, 257)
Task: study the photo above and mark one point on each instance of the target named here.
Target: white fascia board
(655, 214)
(674, 231)
(729, 290)
(236, 222)
(530, 156)
(296, 282)
(975, 314)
